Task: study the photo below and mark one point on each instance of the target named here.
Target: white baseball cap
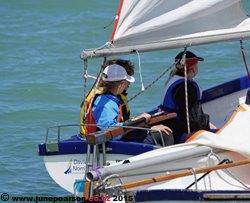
(116, 72)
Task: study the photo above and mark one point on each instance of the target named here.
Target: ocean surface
(41, 82)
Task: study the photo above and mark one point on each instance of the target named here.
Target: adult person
(175, 98)
(106, 108)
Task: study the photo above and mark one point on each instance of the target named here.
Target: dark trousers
(154, 138)
(248, 97)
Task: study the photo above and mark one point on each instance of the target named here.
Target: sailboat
(209, 165)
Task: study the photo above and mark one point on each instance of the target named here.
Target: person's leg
(158, 138)
(148, 138)
(135, 136)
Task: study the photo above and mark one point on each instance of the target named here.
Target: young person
(106, 108)
(174, 99)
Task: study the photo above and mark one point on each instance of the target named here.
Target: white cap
(116, 72)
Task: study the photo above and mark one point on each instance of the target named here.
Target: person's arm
(159, 127)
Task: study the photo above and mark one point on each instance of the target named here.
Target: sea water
(41, 81)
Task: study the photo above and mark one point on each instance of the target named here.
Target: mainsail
(147, 25)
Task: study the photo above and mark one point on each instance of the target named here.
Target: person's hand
(144, 115)
(162, 128)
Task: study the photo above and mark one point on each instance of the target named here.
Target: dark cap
(189, 55)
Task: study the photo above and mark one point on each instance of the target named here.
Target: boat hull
(66, 164)
(220, 101)
(225, 184)
(68, 170)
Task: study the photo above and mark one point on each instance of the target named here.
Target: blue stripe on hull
(225, 89)
(76, 145)
(178, 194)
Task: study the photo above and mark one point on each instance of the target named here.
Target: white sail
(147, 25)
(234, 136)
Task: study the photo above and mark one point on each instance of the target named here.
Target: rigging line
(99, 75)
(205, 174)
(183, 61)
(110, 23)
(153, 82)
(243, 53)
(85, 67)
(140, 72)
(107, 44)
(230, 174)
(94, 86)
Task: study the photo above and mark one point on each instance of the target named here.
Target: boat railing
(94, 149)
(58, 127)
(59, 130)
(101, 133)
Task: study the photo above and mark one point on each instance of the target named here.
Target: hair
(179, 70)
(128, 66)
(110, 84)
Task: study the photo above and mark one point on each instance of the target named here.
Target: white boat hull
(66, 170)
(221, 109)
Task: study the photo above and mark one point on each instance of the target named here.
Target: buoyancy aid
(168, 102)
(86, 106)
(124, 105)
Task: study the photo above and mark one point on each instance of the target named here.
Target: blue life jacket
(168, 103)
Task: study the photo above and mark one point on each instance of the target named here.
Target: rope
(140, 72)
(183, 61)
(85, 67)
(229, 173)
(107, 44)
(243, 53)
(110, 23)
(94, 86)
(153, 82)
(89, 76)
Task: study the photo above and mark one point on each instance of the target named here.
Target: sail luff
(117, 18)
